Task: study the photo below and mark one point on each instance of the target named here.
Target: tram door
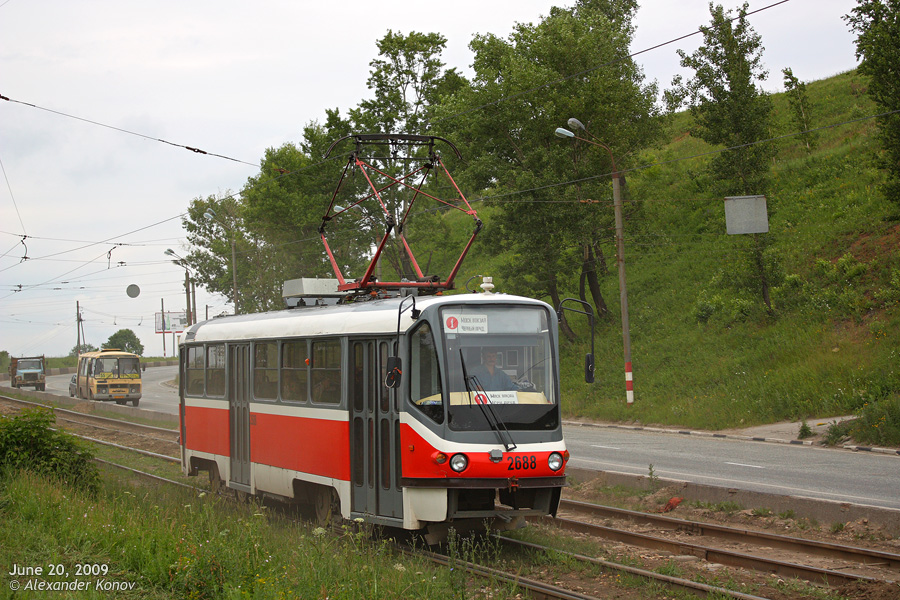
(239, 412)
(374, 431)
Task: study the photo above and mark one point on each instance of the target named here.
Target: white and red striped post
(629, 384)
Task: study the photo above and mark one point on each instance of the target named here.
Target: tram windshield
(507, 354)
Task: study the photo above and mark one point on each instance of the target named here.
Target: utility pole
(78, 326)
(620, 249)
(187, 297)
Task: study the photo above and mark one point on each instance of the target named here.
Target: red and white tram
(312, 404)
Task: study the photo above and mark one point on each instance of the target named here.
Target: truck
(27, 371)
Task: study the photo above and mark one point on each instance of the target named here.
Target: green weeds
(180, 544)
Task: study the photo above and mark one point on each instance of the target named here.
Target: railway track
(755, 545)
(535, 588)
(754, 550)
(147, 439)
(845, 561)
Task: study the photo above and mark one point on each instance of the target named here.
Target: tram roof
(373, 316)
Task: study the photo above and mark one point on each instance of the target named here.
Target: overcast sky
(231, 78)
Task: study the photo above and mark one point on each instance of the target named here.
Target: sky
(90, 199)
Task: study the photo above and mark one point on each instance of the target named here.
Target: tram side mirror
(589, 368)
(394, 371)
(143, 366)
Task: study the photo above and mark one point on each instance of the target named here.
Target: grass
(171, 543)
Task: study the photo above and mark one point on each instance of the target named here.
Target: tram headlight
(459, 462)
(555, 461)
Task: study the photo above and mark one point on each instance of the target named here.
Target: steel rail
(56, 409)
(87, 423)
(864, 556)
(716, 555)
(537, 589)
(672, 582)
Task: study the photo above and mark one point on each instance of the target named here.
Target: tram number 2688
(521, 463)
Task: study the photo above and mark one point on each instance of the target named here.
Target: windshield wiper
(486, 408)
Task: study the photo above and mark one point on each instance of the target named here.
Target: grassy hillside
(705, 351)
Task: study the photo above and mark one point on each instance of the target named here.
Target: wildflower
(400, 567)
(319, 531)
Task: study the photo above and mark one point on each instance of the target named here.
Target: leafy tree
(76, 350)
(732, 111)
(574, 63)
(729, 107)
(800, 107)
(877, 27)
(407, 79)
(125, 339)
(226, 254)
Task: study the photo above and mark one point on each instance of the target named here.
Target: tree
(407, 78)
(574, 63)
(125, 339)
(877, 27)
(732, 111)
(226, 254)
(729, 108)
(800, 107)
(76, 350)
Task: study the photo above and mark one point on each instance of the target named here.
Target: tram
(407, 412)
(383, 401)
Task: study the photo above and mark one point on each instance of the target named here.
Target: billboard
(171, 322)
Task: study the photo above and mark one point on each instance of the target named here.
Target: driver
(489, 375)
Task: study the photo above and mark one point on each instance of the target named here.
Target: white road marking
(743, 465)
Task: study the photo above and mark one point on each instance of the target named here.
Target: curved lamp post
(211, 215)
(620, 248)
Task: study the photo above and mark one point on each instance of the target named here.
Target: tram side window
(215, 370)
(294, 371)
(265, 371)
(326, 371)
(425, 376)
(194, 371)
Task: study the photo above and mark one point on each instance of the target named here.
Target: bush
(27, 442)
(878, 423)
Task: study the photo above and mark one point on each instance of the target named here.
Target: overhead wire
(12, 196)
(129, 132)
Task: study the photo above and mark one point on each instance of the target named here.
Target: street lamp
(211, 215)
(620, 248)
(191, 315)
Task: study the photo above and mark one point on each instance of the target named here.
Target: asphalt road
(806, 471)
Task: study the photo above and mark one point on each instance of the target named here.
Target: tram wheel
(215, 482)
(326, 504)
